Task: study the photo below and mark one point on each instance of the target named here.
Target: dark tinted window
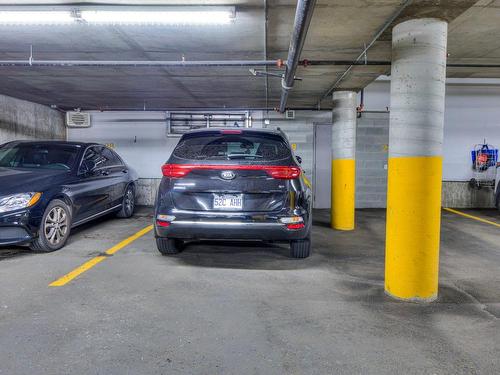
(38, 156)
(94, 156)
(102, 157)
(111, 158)
(268, 147)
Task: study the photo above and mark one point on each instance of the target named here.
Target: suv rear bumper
(270, 230)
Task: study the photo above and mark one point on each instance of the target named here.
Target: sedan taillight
(276, 171)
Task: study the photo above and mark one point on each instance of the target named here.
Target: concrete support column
(415, 159)
(343, 160)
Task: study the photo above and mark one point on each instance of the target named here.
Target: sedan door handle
(105, 173)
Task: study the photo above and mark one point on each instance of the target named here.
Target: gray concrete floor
(249, 309)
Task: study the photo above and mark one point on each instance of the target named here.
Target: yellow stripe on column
(413, 227)
(343, 193)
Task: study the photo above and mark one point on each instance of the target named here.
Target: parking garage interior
(388, 104)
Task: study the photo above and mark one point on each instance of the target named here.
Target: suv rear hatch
(231, 171)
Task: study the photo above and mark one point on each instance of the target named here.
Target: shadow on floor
(7, 252)
(14, 252)
(256, 255)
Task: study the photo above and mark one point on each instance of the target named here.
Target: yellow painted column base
(413, 227)
(343, 194)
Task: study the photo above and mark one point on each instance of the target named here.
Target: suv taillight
(283, 173)
(276, 171)
(175, 170)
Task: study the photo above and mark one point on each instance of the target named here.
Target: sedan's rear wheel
(128, 203)
(168, 246)
(54, 228)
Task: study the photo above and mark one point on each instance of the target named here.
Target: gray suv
(233, 184)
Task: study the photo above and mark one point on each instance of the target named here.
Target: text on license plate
(228, 201)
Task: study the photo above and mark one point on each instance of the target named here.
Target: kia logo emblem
(228, 175)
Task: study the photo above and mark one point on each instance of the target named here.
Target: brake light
(276, 171)
(164, 220)
(175, 170)
(163, 224)
(231, 131)
(283, 173)
(295, 226)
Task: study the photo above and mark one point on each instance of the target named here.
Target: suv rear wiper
(234, 156)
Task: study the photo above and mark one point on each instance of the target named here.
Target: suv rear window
(267, 147)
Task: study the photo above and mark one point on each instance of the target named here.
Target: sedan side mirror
(299, 159)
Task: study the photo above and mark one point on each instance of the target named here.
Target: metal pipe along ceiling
(139, 63)
(221, 63)
(303, 15)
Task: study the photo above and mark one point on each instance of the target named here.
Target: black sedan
(47, 188)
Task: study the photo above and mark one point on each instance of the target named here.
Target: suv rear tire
(168, 246)
(300, 248)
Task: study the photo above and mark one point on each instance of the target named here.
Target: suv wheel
(54, 229)
(300, 248)
(168, 246)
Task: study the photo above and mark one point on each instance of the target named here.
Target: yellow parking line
(127, 241)
(77, 271)
(472, 217)
(92, 262)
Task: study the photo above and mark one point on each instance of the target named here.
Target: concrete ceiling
(338, 31)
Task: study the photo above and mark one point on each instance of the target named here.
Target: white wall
(138, 137)
(472, 113)
(141, 137)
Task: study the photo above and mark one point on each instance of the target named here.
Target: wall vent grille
(290, 114)
(77, 119)
(182, 122)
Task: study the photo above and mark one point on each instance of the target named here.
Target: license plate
(228, 201)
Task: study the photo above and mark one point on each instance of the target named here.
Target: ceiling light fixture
(31, 17)
(107, 15)
(165, 17)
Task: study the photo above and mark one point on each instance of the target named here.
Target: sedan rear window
(266, 147)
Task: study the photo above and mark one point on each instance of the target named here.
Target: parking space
(247, 307)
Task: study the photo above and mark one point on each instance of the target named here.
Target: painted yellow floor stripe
(129, 240)
(472, 217)
(92, 262)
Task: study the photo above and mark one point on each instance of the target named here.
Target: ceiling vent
(77, 119)
(290, 114)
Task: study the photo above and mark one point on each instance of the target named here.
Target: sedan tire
(54, 229)
(128, 203)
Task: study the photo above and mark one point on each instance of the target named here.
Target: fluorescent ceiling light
(44, 17)
(158, 17)
(111, 15)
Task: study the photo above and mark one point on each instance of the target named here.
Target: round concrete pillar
(415, 159)
(343, 160)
